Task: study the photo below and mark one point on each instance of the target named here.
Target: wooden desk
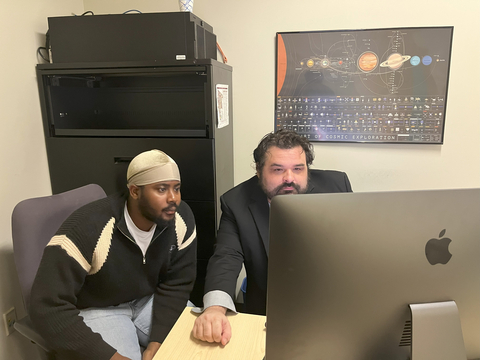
(247, 342)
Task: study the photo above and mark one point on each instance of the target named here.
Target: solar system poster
(369, 86)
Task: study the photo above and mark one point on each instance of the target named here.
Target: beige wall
(246, 31)
(22, 148)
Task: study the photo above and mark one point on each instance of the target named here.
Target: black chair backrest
(35, 221)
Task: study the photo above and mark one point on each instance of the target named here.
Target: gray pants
(126, 327)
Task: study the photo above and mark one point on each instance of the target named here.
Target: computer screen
(367, 85)
(343, 269)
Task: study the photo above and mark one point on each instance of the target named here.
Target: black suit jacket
(243, 236)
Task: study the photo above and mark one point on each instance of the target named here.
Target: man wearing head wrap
(119, 271)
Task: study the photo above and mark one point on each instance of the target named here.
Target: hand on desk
(213, 326)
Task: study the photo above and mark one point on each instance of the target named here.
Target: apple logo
(436, 250)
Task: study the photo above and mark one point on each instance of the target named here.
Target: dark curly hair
(283, 139)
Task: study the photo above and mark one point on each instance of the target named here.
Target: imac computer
(374, 276)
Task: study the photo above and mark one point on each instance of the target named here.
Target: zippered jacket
(93, 261)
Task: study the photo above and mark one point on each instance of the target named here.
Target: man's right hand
(117, 356)
(213, 326)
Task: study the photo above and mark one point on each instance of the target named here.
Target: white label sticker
(222, 105)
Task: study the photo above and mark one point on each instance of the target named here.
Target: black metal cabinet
(97, 117)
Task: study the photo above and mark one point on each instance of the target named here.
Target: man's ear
(134, 191)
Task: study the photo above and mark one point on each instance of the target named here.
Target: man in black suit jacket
(282, 162)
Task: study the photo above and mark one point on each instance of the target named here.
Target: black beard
(161, 223)
(148, 213)
(274, 192)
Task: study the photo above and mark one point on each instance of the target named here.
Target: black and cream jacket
(93, 261)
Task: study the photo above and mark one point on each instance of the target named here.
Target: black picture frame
(367, 86)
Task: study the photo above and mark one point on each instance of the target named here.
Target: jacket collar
(260, 210)
(117, 202)
(311, 185)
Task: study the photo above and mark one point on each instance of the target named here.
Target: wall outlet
(9, 318)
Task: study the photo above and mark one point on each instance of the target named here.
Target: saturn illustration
(395, 61)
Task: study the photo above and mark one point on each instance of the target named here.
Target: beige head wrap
(150, 167)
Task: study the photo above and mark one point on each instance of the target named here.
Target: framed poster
(371, 86)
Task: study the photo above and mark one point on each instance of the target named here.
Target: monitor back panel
(344, 267)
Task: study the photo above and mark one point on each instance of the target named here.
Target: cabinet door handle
(122, 159)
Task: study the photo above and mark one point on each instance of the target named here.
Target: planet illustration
(427, 60)
(415, 60)
(395, 61)
(315, 63)
(368, 61)
(325, 63)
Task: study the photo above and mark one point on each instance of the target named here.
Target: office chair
(34, 222)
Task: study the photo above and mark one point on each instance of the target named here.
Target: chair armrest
(25, 327)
